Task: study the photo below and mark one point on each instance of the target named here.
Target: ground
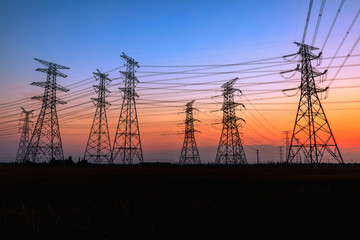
(177, 202)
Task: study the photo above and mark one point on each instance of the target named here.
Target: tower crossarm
(230, 105)
(316, 73)
(130, 76)
(129, 60)
(311, 48)
(25, 119)
(230, 90)
(57, 100)
(43, 84)
(130, 92)
(101, 88)
(191, 120)
(190, 109)
(102, 75)
(52, 71)
(100, 100)
(27, 112)
(48, 64)
(229, 84)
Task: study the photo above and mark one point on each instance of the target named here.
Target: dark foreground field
(172, 202)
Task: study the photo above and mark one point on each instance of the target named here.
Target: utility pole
(257, 156)
(45, 143)
(25, 132)
(127, 143)
(189, 152)
(230, 149)
(312, 134)
(98, 149)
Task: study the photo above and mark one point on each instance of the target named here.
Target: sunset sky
(186, 50)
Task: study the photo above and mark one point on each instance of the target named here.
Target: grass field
(173, 202)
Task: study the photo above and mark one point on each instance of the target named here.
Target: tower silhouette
(45, 143)
(189, 152)
(312, 135)
(24, 139)
(98, 149)
(127, 142)
(230, 149)
(287, 143)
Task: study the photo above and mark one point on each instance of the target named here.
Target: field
(173, 202)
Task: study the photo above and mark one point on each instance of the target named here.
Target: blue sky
(86, 35)
(82, 34)
(78, 32)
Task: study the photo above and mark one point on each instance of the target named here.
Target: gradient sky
(90, 35)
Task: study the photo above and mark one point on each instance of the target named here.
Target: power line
(307, 20)
(332, 25)
(318, 22)
(215, 65)
(343, 64)
(345, 36)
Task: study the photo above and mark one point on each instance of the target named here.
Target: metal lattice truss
(312, 136)
(45, 143)
(25, 135)
(189, 152)
(98, 149)
(230, 149)
(127, 143)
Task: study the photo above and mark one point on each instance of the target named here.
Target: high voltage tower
(287, 143)
(189, 152)
(45, 143)
(24, 139)
(230, 149)
(98, 147)
(312, 135)
(127, 143)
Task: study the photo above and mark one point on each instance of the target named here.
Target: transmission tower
(127, 143)
(189, 152)
(45, 143)
(312, 134)
(287, 143)
(281, 154)
(98, 148)
(230, 149)
(25, 132)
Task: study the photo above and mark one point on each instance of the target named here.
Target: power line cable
(345, 36)
(318, 22)
(332, 25)
(307, 20)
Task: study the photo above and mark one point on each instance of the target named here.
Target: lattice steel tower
(127, 143)
(189, 152)
(25, 132)
(45, 143)
(98, 149)
(312, 135)
(230, 149)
